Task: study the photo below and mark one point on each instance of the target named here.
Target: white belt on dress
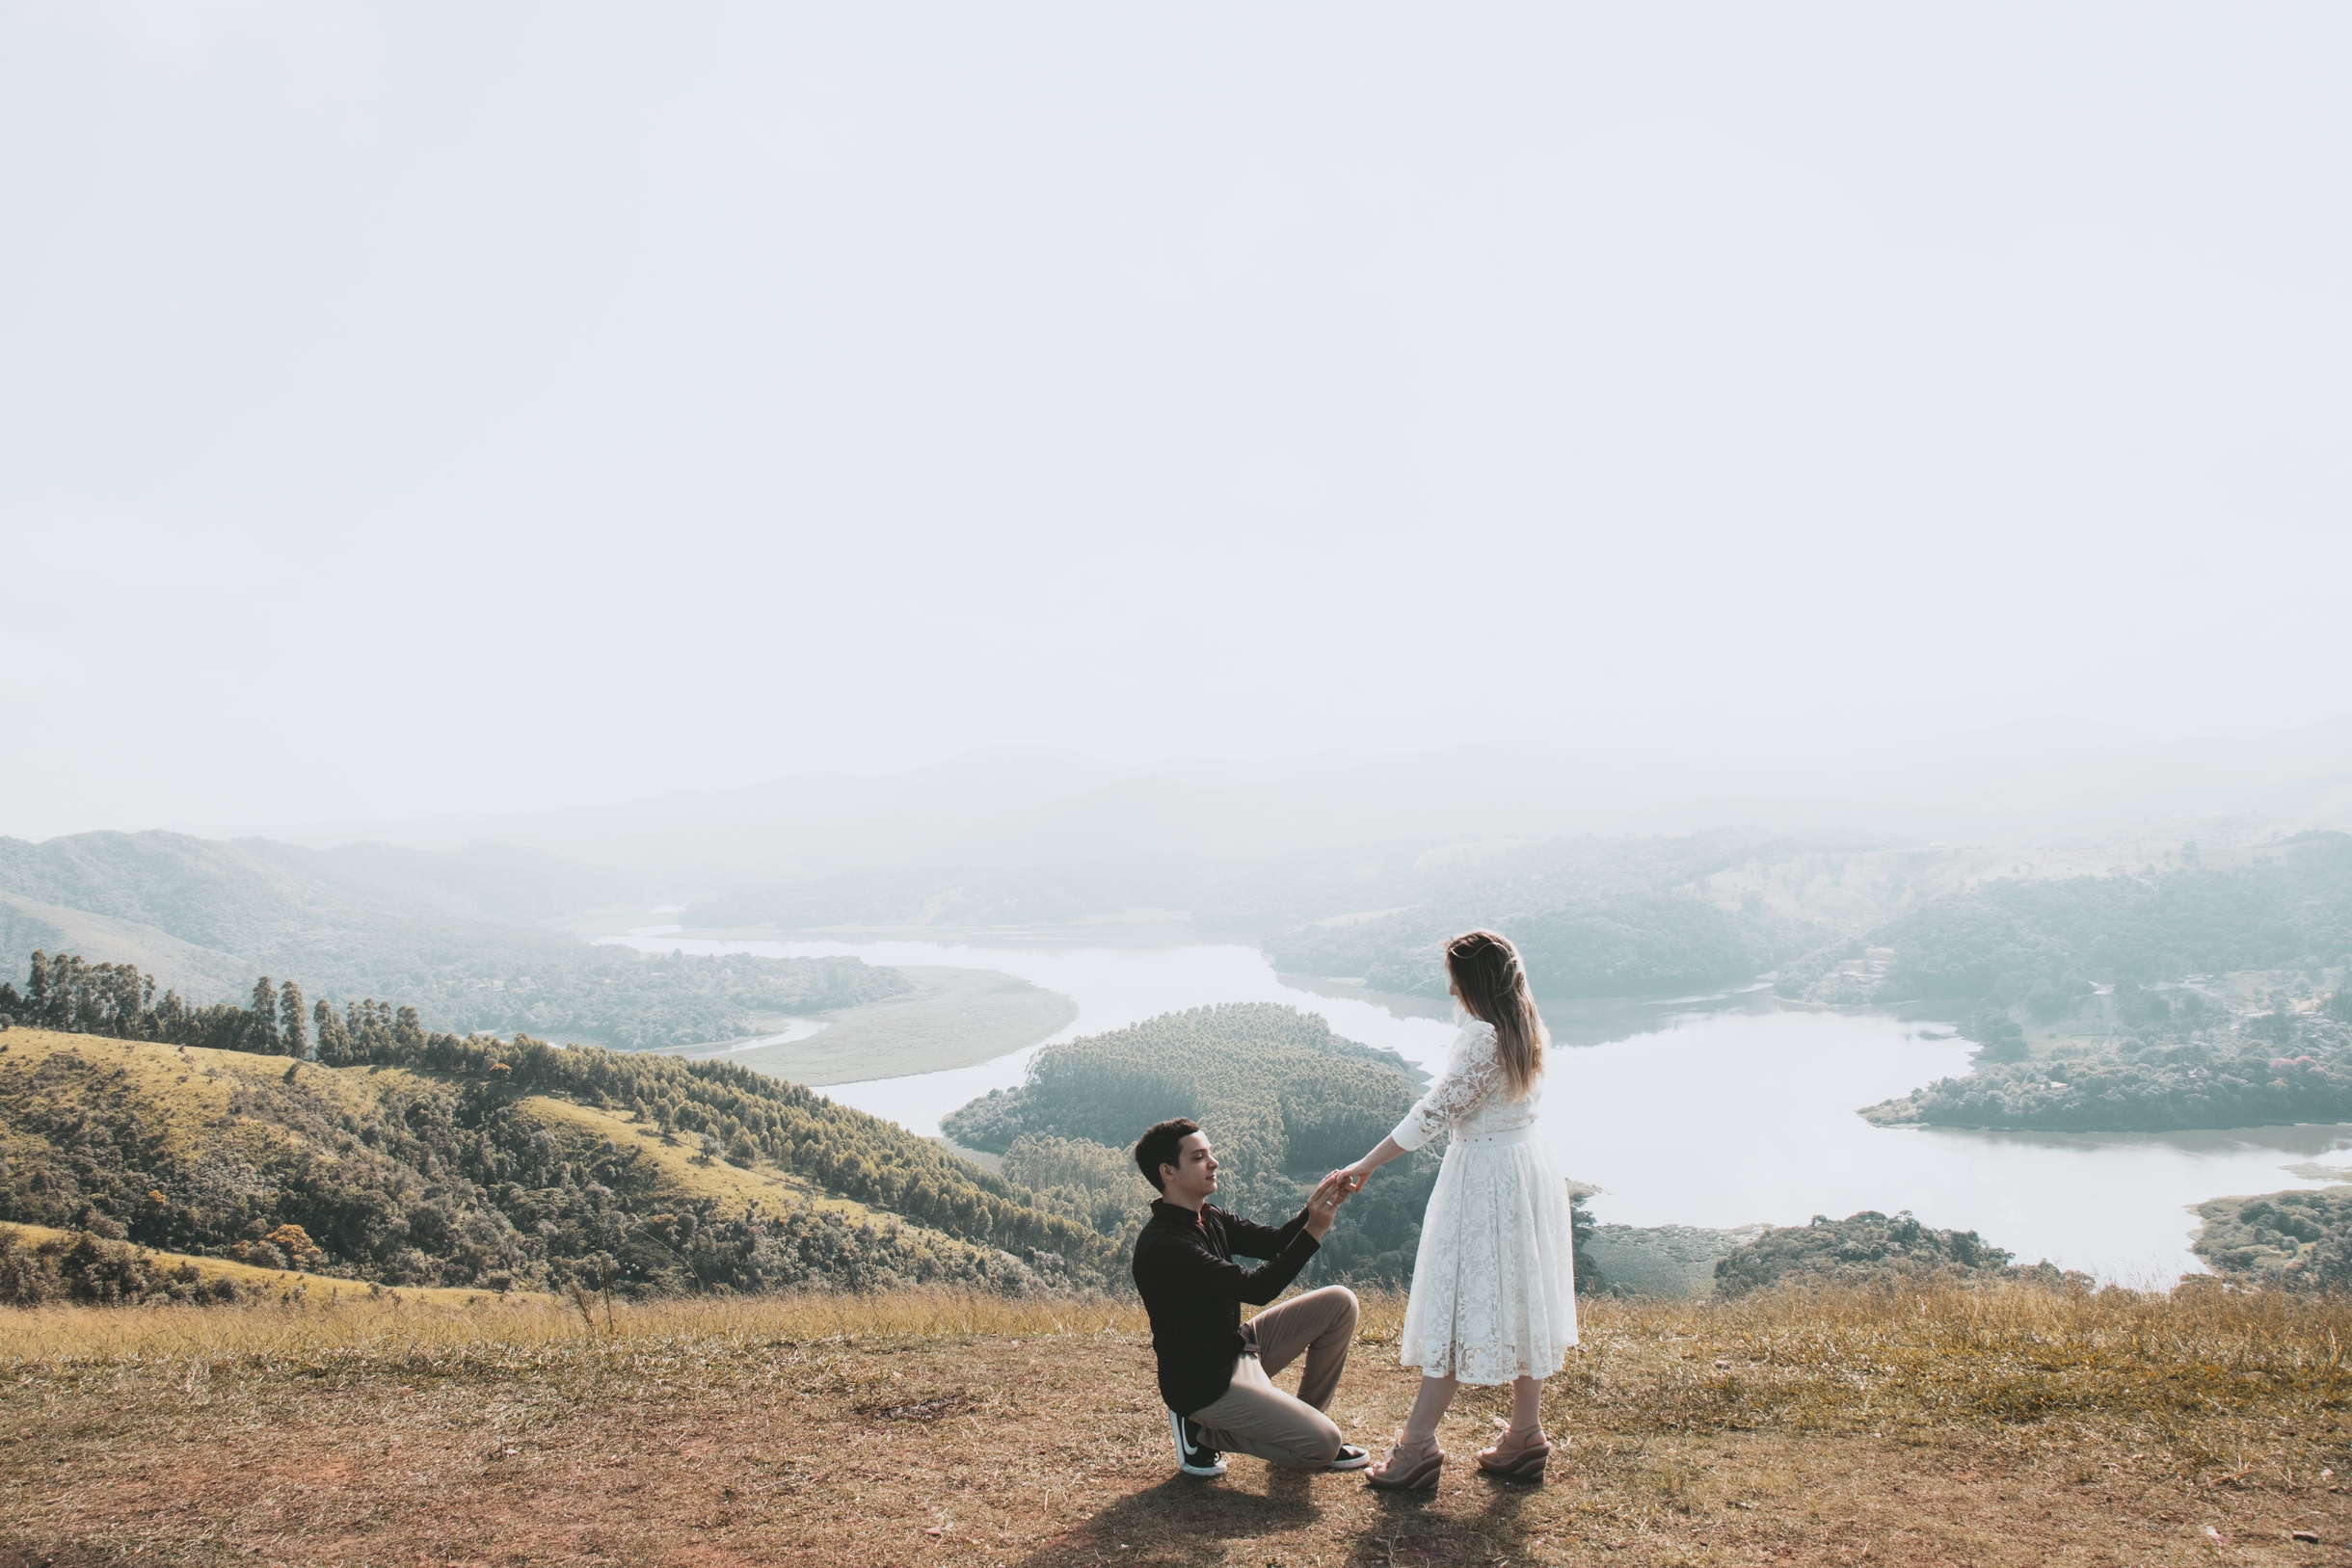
(1493, 1140)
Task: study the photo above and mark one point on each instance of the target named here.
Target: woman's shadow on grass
(1399, 1515)
(1181, 1515)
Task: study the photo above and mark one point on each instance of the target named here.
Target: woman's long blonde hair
(1486, 970)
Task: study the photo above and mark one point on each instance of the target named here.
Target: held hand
(1324, 1204)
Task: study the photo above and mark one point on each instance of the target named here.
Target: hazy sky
(416, 409)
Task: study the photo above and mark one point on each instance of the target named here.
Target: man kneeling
(1217, 1373)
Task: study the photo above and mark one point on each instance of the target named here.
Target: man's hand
(1332, 1192)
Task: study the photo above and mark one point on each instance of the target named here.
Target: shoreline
(954, 1017)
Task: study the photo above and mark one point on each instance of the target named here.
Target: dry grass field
(2011, 1425)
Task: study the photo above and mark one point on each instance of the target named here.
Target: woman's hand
(1361, 1171)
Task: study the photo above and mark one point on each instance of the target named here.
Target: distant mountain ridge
(441, 929)
(2059, 778)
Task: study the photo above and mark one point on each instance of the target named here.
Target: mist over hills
(1336, 866)
(2058, 780)
(450, 932)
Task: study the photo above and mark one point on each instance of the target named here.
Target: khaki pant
(1253, 1416)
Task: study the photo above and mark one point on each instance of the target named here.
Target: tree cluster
(2293, 1241)
(87, 1267)
(64, 993)
(1869, 1248)
(2284, 1068)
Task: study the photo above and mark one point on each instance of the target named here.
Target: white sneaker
(1193, 1456)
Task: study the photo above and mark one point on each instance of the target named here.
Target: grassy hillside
(472, 1164)
(29, 926)
(39, 1264)
(2005, 1424)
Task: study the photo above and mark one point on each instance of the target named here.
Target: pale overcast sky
(416, 409)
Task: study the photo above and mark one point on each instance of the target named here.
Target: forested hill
(1593, 916)
(1283, 1099)
(439, 931)
(436, 1160)
(2039, 943)
(2190, 997)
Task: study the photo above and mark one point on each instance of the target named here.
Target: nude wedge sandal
(1411, 1475)
(1516, 1463)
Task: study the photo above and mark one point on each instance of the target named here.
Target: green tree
(263, 1016)
(333, 1039)
(289, 1011)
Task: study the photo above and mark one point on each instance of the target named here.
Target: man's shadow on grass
(1173, 1520)
(1180, 1515)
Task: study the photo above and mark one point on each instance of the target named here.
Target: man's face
(1193, 1176)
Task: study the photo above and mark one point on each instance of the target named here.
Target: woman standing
(1494, 1282)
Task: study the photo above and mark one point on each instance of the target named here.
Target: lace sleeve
(1472, 1074)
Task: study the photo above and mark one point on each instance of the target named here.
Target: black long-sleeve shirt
(1193, 1290)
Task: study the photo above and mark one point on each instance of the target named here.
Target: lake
(1716, 1110)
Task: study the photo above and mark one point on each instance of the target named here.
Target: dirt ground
(1038, 1452)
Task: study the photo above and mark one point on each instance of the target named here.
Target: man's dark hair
(1159, 1147)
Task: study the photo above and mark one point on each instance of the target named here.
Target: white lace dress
(1494, 1282)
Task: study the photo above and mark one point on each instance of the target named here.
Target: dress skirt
(1494, 1281)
